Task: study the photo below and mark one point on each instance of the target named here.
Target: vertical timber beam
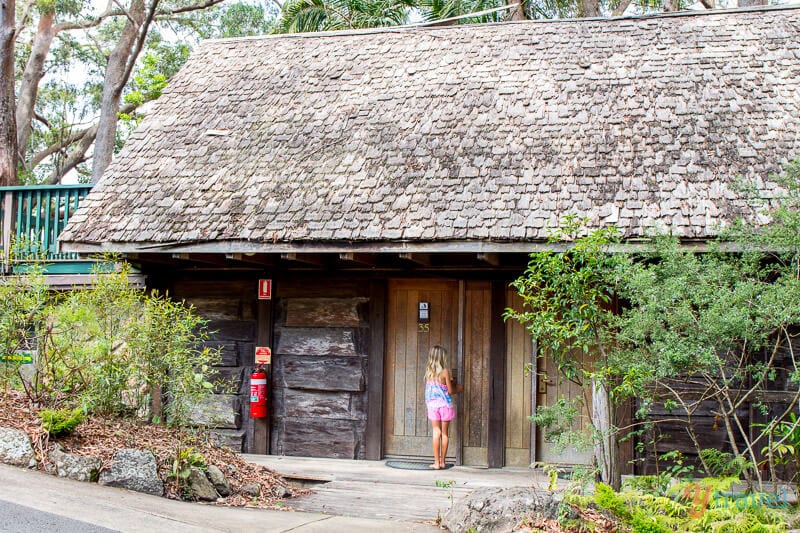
(497, 377)
(375, 370)
(458, 442)
(263, 338)
(8, 222)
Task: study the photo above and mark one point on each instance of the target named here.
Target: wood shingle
(465, 134)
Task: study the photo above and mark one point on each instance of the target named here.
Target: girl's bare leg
(437, 441)
(445, 442)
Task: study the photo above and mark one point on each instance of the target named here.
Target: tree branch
(75, 157)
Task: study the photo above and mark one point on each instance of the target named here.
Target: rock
(499, 510)
(282, 491)
(230, 438)
(16, 448)
(77, 467)
(251, 489)
(134, 470)
(218, 479)
(216, 410)
(200, 488)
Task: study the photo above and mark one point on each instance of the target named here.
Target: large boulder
(200, 488)
(77, 467)
(16, 448)
(134, 470)
(499, 510)
(218, 479)
(217, 411)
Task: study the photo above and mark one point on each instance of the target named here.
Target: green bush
(59, 422)
(112, 348)
(702, 506)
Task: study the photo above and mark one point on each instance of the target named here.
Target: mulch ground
(103, 437)
(600, 523)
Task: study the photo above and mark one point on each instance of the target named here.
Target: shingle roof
(458, 134)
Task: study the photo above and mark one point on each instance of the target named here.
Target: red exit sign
(265, 289)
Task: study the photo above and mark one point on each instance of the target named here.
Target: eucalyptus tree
(76, 70)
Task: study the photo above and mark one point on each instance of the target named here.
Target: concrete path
(370, 489)
(127, 511)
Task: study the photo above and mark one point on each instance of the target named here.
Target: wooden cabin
(374, 175)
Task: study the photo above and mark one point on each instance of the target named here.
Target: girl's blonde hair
(436, 362)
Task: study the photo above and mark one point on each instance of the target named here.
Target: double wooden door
(459, 321)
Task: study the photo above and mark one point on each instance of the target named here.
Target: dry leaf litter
(103, 437)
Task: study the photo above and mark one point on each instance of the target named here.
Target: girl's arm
(449, 382)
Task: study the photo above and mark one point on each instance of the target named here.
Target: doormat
(413, 465)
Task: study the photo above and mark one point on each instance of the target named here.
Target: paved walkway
(370, 489)
(127, 511)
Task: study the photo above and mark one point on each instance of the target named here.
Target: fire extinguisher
(258, 394)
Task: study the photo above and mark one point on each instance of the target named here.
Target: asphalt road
(22, 519)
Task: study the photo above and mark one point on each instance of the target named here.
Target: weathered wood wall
(670, 431)
(319, 379)
(230, 307)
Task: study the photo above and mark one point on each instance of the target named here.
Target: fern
(690, 506)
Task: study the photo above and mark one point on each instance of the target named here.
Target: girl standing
(439, 401)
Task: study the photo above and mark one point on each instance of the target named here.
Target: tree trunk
(590, 8)
(8, 125)
(115, 78)
(751, 3)
(518, 12)
(606, 450)
(34, 71)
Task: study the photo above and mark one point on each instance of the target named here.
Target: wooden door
(519, 379)
(551, 387)
(474, 401)
(406, 426)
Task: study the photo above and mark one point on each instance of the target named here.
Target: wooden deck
(370, 489)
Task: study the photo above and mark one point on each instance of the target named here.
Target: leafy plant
(181, 466)
(723, 464)
(61, 422)
(678, 468)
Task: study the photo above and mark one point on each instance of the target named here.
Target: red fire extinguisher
(258, 394)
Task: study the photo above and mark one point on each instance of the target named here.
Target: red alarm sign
(265, 289)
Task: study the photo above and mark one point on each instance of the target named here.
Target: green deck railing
(33, 217)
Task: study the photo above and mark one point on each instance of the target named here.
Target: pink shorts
(445, 414)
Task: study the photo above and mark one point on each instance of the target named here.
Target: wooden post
(497, 377)
(534, 393)
(458, 438)
(263, 338)
(8, 224)
(375, 370)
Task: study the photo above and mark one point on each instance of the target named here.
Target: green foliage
(59, 422)
(298, 16)
(724, 464)
(783, 443)
(559, 423)
(689, 506)
(22, 300)
(567, 294)
(182, 462)
(110, 348)
(677, 469)
(657, 485)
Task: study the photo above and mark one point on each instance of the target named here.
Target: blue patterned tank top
(437, 395)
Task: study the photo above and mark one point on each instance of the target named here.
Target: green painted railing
(32, 219)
